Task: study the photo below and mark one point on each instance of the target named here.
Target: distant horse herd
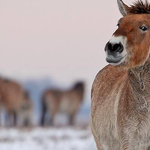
(18, 107)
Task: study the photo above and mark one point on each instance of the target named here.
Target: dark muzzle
(113, 48)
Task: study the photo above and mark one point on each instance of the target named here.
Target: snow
(67, 138)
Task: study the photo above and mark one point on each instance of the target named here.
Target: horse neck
(138, 74)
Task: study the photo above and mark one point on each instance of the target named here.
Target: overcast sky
(62, 39)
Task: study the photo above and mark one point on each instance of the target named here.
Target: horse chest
(123, 112)
(133, 119)
(137, 122)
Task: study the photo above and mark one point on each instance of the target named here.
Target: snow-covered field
(67, 138)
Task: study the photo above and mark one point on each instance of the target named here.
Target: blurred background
(50, 53)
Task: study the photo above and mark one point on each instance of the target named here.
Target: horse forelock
(139, 7)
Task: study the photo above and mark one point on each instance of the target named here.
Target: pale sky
(63, 39)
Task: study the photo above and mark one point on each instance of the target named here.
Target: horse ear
(122, 7)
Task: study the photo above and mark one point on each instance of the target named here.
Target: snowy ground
(47, 139)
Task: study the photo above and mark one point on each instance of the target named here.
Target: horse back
(11, 94)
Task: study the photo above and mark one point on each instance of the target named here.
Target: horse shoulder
(107, 78)
(105, 94)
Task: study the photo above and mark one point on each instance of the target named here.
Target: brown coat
(11, 94)
(120, 109)
(120, 101)
(68, 102)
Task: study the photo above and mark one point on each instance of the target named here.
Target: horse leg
(29, 119)
(71, 119)
(8, 119)
(51, 121)
(0, 118)
(52, 113)
(44, 110)
(26, 122)
(14, 118)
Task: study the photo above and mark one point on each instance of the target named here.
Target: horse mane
(79, 86)
(139, 8)
(6, 80)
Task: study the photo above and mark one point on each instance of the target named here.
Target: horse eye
(143, 28)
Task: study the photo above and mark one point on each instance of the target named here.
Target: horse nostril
(114, 47)
(118, 47)
(110, 46)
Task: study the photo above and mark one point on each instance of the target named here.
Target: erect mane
(140, 8)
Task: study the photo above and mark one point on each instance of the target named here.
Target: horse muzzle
(114, 53)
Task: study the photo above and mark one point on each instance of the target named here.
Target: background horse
(68, 102)
(120, 110)
(12, 99)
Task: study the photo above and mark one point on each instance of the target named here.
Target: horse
(12, 99)
(26, 112)
(120, 105)
(55, 101)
